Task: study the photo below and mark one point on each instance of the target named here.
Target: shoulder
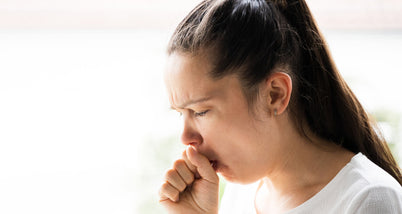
(364, 173)
(374, 190)
(377, 199)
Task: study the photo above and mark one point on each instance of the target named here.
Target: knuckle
(176, 197)
(179, 163)
(175, 194)
(170, 173)
(189, 178)
(162, 191)
(163, 188)
(182, 187)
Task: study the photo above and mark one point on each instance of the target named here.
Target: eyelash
(200, 114)
(197, 114)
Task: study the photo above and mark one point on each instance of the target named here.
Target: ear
(278, 88)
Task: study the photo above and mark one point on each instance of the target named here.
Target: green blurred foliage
(222, 185)
(388, 125)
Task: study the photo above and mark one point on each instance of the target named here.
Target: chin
(239, 179)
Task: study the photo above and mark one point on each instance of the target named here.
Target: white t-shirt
(361, 187)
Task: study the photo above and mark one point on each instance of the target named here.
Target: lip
(215, 165)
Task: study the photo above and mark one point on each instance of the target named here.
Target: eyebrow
(192, 102)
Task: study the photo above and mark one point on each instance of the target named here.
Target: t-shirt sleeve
(377, 200)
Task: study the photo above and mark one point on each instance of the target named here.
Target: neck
(304, 167)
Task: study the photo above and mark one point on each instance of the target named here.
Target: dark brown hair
(252, 37)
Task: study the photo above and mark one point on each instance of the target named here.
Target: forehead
(187, 67)
(187, 78)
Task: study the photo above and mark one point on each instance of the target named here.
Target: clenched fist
(191, 186)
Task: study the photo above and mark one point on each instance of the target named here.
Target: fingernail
(191, 148)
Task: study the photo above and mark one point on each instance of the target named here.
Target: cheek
(239, 151)
(239, 144)
(233, 140)
(231, 131)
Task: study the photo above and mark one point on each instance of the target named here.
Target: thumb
(203, 166)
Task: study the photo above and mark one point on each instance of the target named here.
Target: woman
(262, 101)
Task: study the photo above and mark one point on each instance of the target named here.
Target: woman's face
(217, 120)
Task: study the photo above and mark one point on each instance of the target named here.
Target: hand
(191, 186)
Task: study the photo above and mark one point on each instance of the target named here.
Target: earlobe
(279, 86)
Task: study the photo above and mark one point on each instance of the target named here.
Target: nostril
(190, 137)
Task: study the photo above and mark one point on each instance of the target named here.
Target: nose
(190, 135)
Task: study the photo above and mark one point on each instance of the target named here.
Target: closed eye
(200, 114)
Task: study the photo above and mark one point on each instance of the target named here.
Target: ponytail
(252, 37)
(332, 110)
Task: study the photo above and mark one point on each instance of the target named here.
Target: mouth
(214, 164)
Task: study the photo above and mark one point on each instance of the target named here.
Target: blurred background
(85, 125)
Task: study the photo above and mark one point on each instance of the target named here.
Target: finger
(202, 164)
(167, 191)
(189, 165)
(184, 172)
(174, 179)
